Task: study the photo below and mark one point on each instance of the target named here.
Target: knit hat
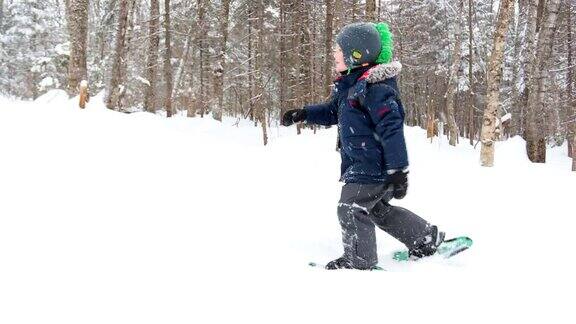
(365, 43)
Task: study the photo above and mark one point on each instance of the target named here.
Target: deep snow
(115, 218)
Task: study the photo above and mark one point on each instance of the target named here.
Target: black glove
(399, 182)
(293, 116)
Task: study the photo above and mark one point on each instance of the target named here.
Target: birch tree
(535, 139)
(491, 117)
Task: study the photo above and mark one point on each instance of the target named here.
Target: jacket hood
(382, 72)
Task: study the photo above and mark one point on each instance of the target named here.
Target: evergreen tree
(33, 56)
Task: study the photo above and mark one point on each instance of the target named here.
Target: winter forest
(148, 173)
(257, 59)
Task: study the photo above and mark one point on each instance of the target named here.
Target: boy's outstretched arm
(388, 118)
(321, 114)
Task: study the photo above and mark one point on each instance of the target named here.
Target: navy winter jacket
(367, 108)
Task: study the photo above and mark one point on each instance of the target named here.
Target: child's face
(339, 64)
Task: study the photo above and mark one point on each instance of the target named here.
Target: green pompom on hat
(387, 43)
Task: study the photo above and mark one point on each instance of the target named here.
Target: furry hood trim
(382, 72)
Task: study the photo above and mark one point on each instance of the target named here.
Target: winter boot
(343, 263)
(428, 245)
(340, 263)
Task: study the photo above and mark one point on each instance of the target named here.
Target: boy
(366, 106)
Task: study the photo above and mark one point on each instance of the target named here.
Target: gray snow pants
(361, 207)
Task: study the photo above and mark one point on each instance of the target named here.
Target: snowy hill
(114, 218)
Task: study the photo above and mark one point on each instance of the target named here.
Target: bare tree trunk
(77, 17)
(339, 21)
(221, 60)
(453, 78)
(430, 121)
(327, 72)
(315, 67)
(201, 98)
(574, 146)
(535, 139)
(1, 15)
(283, 52)
(540, 13)
(354, 7)
(527, 60)
(571, 114)
(491, 117)
(573, 136)
(116, 88)
(259, 63)
(305, 53)
(183, 60)
(251, 66)
(297, 48)
(103, 28)
(371, 10)
(518, 72)
(471, 129)
(152, 60)
(431, 124)
(167, 60)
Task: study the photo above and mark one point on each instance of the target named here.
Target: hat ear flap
(387, 44)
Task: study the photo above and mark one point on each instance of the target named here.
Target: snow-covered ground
(112, 218)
